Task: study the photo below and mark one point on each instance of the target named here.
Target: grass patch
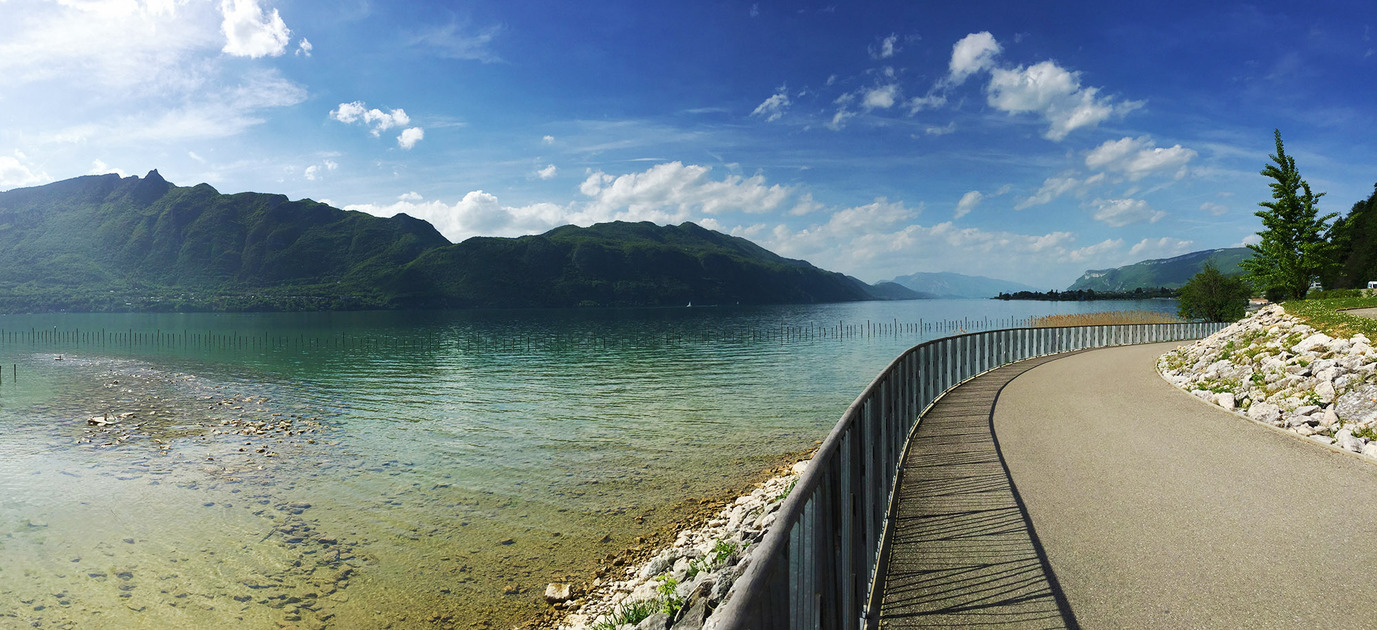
(1328, 316)
(629, 613)
(1104, 319)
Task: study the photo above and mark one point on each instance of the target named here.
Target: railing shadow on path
(963, 552)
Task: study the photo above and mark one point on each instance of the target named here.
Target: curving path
(1133, 505)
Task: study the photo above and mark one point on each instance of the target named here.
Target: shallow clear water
(360, 469)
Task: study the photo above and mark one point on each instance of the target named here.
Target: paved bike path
(1151, 509)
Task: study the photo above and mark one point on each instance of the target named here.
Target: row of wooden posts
(516, 340)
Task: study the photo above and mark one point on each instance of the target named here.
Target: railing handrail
(781, 586)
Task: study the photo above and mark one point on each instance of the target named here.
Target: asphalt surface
(1157, 510)
(1087, 492)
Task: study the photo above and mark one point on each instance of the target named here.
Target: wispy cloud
(773, 108)
(459, 40)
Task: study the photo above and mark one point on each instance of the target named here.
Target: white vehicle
(1372, 284)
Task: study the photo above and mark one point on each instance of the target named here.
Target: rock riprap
(680, 585)
(1276, 370)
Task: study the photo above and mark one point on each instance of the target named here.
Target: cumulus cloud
(1139, 157)
(773, 107)
(304, 47)
(99, 167)
(948, 128)
(673, 192)
(478, 213)
(968, 203)
(350, 113)
(882, 97)
(1121, 212)
(313, 171)
(251, 33)
(15, 172)
(548, 139)
(410, 136)
(548, 172)
(1055, 93)
(973, 53)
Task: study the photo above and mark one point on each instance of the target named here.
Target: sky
(1024, 141)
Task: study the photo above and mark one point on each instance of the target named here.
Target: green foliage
(1354, 247)
(1213, 296)
(670, 601)
(1328, 316)
(1292, 252)
(629, 613)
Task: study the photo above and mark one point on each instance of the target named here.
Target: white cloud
(1251, 239)
(15, 172)
(1121, 212)
(194, 156)
(111, 44)
(548, 139)
(839, 119)
(1054, 187)
(1140, 157)
(940, 131)
(304, 47)
(920, 103)
(968, 203)
(410, 136)
(1098, 251)
(312, 172)
(211, 114)
(250, 33)
(1165, 247)
(478, 213)
(548, 172)
(457, 41)
(886, 48)
(1048, 89)
(99, 167)
(673, 192)
(410, 196)
(350, 113)
(774, 106)
(882, 97)
(975, 52)
(1214, 208)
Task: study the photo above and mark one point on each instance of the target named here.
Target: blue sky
(1019, 140)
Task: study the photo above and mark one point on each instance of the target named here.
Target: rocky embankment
(1279, 371)
(679, 587)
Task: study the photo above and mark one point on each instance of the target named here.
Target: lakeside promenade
(1084, 491)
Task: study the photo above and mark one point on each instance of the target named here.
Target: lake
(417, 469)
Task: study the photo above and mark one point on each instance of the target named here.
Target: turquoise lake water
(418, 469)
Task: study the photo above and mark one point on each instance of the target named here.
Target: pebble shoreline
(690, 576)
(1273, 369)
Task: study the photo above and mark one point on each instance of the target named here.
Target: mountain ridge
(1154, 273)
(106, 242)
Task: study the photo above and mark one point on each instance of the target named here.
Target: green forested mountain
(1354, 242)
(956, 285)
(104, 242)
(1161, 272)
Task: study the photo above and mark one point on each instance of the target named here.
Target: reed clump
(1106, 318)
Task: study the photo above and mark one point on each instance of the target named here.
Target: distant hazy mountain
(955, 285)
(1161, 272)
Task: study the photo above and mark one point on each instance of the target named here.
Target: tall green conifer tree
(1292, 250)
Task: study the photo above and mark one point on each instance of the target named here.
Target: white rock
(1304, 430)
(1325, 390)
(557, 592)
(1330, 418)
(1263, 412)
(1312, 342)
(1225, 400)
(1348, 441)
(1370, 449)
(1322, 439)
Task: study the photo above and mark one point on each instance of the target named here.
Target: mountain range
(1161, 272)
(955, 285)
(105, 242)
